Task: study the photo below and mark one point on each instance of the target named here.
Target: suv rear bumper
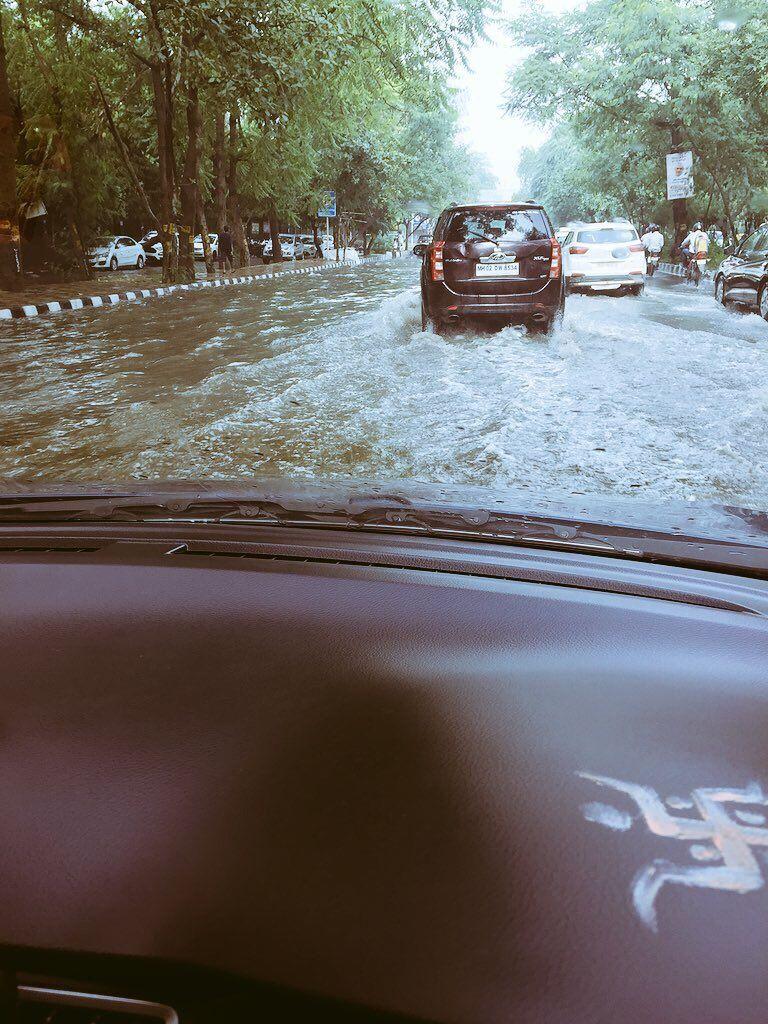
(595, 282)
(541, 305)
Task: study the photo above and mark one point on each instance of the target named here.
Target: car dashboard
(318, 774)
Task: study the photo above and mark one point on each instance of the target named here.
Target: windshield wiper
(382, 513)
(485, 238)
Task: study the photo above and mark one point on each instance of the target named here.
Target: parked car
(153, 247)
(291, 246)
(310, 249)
(742, 277)
(606, 256)
(213, 240)
(112, 251)
(500, 264)
(256, 247)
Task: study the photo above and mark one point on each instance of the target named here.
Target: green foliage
(618, 79)
(350, 94)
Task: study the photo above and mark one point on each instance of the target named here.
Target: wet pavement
(662, 396)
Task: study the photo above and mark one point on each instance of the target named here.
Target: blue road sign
(328, 209)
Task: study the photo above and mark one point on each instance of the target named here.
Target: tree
(9, 224)
(631, 80)
(168, 113)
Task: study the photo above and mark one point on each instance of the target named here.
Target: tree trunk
(168, 232)
(240, 255)
(274, 232)
(316, 240)
(219, 172)
(189, 187)
(207, 250)
(10, 264)
(63, 159)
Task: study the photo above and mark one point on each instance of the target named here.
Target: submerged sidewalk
(41, 299)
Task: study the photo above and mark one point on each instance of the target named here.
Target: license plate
(497, 270)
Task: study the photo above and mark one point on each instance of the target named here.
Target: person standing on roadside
(225, 248)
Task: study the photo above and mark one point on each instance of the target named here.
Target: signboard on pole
(679, 175)
(328, 206)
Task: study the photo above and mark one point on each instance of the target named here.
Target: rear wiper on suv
(485, 238)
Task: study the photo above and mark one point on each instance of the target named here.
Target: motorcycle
(652, 262)
(696, 265)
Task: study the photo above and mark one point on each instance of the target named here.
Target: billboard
(679, 175)
(328, 205)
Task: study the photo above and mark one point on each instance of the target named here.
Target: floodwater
(665, 396)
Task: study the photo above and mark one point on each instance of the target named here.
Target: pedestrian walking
(225, 248)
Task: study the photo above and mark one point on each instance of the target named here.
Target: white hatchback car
(113, 251)
(604, 257)
(213, 241)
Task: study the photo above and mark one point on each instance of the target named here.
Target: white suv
(608, 256)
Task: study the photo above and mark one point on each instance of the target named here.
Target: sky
(484, 127)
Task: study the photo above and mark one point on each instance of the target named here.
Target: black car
(153, 247)
(498, 263)
(742, 278)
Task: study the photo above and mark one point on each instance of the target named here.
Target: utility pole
(679, 206)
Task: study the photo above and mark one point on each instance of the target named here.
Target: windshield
(497, 225)
(479, 312)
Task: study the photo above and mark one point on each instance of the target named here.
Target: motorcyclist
(696, 242)
(653, 240)
(696, 249)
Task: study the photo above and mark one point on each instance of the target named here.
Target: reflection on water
(330, 376)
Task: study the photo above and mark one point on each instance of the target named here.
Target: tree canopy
(176, 114)
(624, 82)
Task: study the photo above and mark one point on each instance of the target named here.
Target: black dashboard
(314, 774)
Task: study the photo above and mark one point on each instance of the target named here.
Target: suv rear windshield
(497, 225)
(607, 235)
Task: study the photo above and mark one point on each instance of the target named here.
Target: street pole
(679, 206)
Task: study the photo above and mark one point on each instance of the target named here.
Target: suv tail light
(637, 247)
(436, 261)
(555, 262)
(578, 250)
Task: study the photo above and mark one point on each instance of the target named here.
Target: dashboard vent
(42, 550)
(62, 1006)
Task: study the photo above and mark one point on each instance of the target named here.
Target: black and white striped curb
(93, 301)
(679, 271)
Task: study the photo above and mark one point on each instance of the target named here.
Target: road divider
(678, 270)
(107, 301)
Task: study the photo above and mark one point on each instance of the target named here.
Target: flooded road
(665, 396)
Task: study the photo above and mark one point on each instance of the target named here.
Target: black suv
(497, 263)
(742, 278)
